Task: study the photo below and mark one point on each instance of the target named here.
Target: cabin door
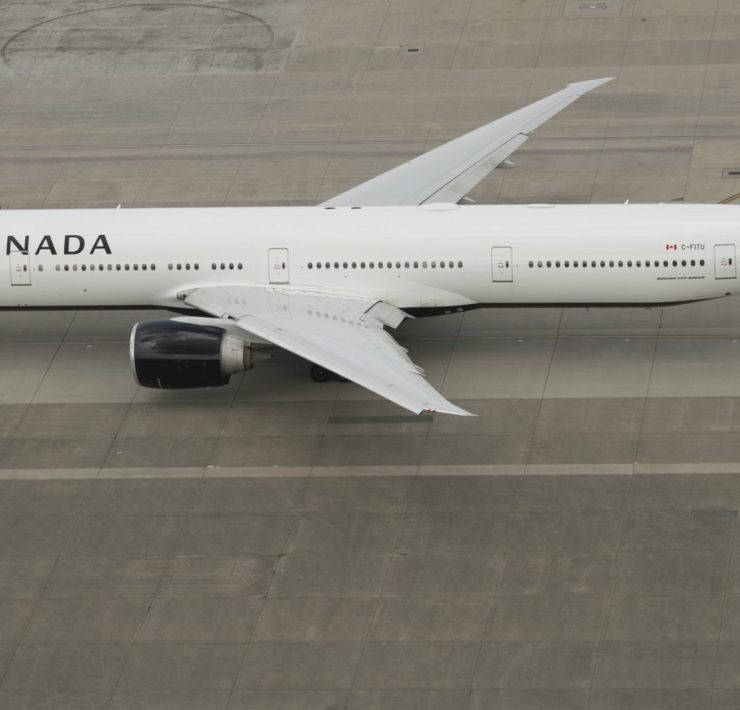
(277, 264)
(20, 268)
(724, 261)
(501, 264)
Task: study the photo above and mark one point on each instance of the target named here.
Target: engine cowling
(170, 354)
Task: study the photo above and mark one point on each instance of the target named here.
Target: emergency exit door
(277, 264)
(501, 264)
(20, 268)
(724, 261)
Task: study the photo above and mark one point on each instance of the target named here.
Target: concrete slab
(534, 665)
(636, 665)
(188, 620)
(299, 666)
(182, 667)
(315, 619)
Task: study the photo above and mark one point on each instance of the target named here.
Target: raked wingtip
(583, 87)
(452, 409)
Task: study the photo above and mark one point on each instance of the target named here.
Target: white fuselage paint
(630, 234)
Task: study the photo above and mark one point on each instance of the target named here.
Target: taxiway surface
(283, 544)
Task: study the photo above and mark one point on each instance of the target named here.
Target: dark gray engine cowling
(169, 354)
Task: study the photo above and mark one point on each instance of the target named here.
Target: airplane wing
(341, 333)
(449, 172)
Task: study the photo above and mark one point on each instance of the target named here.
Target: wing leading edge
(449, 172)
(344, 334)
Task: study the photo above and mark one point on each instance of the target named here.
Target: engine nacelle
(167, 354)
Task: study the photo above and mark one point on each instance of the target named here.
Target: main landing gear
(321, 374)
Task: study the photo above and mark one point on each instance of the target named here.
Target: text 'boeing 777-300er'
(324, 281)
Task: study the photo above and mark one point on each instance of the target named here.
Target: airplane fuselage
(430, 258)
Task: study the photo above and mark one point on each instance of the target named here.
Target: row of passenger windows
(223, 266)
(611, 264)
(102, 267)
(187, 266)
(385, 264)
(389, 265)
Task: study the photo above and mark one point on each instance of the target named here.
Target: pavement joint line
(389, 471)
(408, 141)
(433, 338)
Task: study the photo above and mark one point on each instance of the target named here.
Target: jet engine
(171, 354)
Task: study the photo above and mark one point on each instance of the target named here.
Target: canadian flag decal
(671, 246)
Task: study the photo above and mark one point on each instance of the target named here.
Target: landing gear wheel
(321, 374)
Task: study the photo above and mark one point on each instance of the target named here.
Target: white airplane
(324, 281)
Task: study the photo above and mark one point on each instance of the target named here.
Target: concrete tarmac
(283, 544)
